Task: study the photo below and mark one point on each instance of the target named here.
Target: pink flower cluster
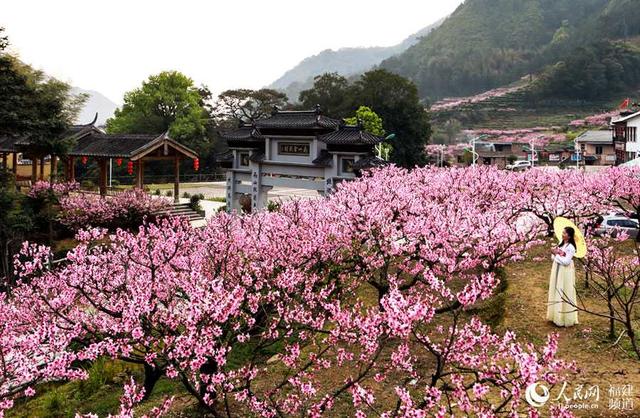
(601, 119)
(451, 103)
(539, 135)
(43, 189)
(127, 209)
(371, 285)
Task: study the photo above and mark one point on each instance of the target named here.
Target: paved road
(218, 189)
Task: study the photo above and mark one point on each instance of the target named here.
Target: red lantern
(130, 167)
(119, 161)
(84, 160)
(196, 164)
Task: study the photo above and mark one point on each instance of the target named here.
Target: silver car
(613, 224)
(519, 165)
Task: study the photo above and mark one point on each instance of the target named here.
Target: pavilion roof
(132, 146)
(350, 135)
(13, 144)
(370, 161)
(328, 130)
(325, 159)
(298, 119)
(8, 144)
(243, 133)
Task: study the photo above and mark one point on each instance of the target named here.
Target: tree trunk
(151, 377)
(638, 218)
(54, 169)
(612, 323)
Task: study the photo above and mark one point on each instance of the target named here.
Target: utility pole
(577, 156)
(474, 154)
(533, 153)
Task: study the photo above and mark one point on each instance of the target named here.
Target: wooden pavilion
(91, 142)
(137, 149)
(7, 147)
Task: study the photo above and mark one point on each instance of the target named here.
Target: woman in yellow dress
(561, 309)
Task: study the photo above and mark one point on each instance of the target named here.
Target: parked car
(519, 165)
(613, 224)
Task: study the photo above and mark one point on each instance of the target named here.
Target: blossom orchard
(43, 189)
(452, 103)
(597, 120)
(363, 295)
(126, 209)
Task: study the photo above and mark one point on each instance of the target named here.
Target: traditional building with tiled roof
(91, 142)
(297, 149)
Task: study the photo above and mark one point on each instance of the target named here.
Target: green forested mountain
(488, 43)
(344, 61)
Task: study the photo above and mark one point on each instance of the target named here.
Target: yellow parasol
(559, 224)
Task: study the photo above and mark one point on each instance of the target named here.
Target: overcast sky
(112, 46)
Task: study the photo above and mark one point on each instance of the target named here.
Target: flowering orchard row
(364, 296)
(601, 119)
(126, 209)
(538, 136)
(452, 103)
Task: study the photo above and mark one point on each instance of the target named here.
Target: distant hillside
(96, 102)
(489, 43)
(345, 61)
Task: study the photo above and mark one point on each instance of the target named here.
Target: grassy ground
(599, 361)
(519, 305)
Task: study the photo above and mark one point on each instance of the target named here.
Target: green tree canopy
(390, 97)
(245, 105)
(35, 106)
(373, 124)
(369, 119)
(14, 223)
(395, 100)
(168, 101)
(332, 92)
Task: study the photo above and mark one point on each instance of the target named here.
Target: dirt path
(601, 365)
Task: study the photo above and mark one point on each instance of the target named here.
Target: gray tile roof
(370, 161)
(595, 137)
(8, 144)
(350, 135)
(103, 145)
(124, 145)
(325, 159)
(298, 119)
(243, 133)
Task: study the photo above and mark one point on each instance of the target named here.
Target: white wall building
(625, 137)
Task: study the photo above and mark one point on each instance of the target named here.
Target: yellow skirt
(562, 295)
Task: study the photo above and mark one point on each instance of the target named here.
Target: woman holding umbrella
(562, 304)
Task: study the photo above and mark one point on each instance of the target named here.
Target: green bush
(158, 192)
(186, 195)
(54, 405)
(194, 202)
(168, 193)
(273, 206)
